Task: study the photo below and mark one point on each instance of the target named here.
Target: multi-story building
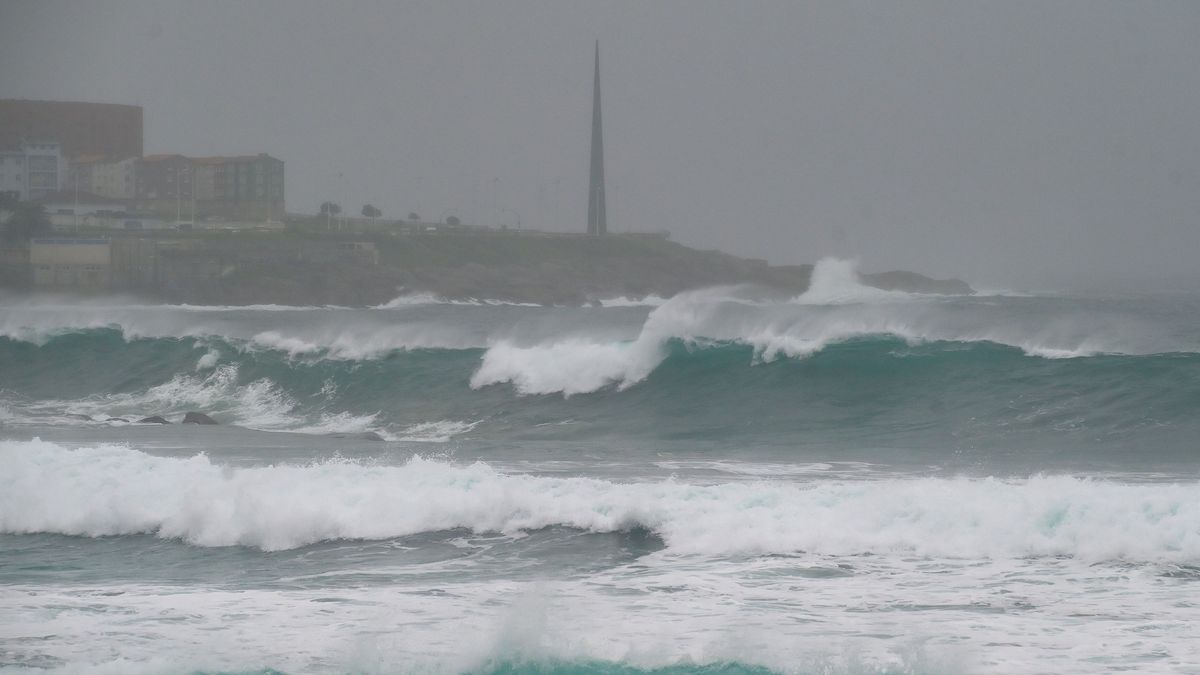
(12, 173)
(102, 129)
(163, 185)
(112, 179)
(31, 169)
(239, 188)
(245, 187)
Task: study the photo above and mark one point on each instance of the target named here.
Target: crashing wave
(113, 490)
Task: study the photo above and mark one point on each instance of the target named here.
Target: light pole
(495, 194)
(342, 198)
(180, 175)
(558, 202)
(76, 209)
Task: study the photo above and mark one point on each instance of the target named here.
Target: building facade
(103, 129)
(248, 188)
(31, 169)
(163, 185)
(70, 210)
(113, 179)
(245, 187)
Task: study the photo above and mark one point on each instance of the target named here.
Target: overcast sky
(1022, 144)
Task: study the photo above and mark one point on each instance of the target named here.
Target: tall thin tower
(597, 220)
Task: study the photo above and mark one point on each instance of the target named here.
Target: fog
(1021, 144)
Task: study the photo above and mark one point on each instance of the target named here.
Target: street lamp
(76, 209)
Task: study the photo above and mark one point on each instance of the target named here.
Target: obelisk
(597, 220)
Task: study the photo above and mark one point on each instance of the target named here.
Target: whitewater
(851, 480)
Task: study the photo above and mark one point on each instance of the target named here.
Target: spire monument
(597, 220)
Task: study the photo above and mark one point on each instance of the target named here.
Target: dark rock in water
(911, 282)
(116, 419)
(197, 418)
(153, 419)
(78, 416)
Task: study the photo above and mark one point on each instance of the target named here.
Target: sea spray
(112, 490)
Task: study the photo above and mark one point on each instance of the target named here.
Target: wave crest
(114, 490)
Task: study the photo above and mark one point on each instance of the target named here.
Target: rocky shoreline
(545, 269)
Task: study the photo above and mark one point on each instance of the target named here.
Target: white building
(32, 170)
(70, 211)
(108, 178)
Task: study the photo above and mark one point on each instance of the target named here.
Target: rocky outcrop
(197, 418)
(911, 282)
(153, 419)
(540, 268)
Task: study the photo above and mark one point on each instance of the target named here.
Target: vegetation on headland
(326, 259)
(306, 266)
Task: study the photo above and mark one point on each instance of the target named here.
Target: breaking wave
(426, 298)
(113, 490)
(651, 300)
(836, 282)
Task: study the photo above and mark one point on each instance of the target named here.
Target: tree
(453, 221)
(371, 212)
(25, 220)
(329, 210)
(414, 217)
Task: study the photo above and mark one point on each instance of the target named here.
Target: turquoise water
(849, 481)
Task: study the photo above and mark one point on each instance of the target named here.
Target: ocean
(724, 481)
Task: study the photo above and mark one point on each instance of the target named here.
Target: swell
(113, 490)
(867, 389)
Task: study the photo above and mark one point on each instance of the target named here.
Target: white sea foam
(348, 334)
(440, 431)
(837, 308)
(577, 365)
(835, 281)
(571, 366)
(113, 490)
(208, 361)
(338, 423)
(651, 300)
(554, 355)
(366, 343)
(426, 298)
(258, 404)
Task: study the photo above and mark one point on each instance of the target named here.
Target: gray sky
(1023, 144)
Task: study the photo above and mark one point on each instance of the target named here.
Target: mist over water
(850, 480)
(699, 439)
